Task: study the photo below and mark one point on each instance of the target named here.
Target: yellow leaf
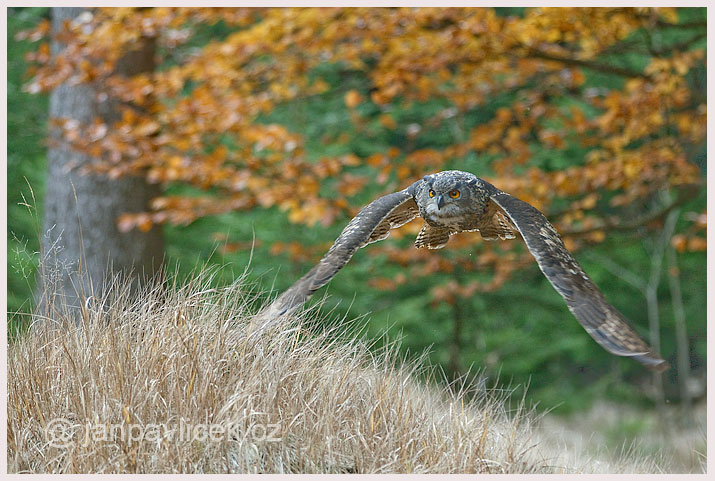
(387, 121)
(352, 99)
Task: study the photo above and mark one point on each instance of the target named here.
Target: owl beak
(440, 202)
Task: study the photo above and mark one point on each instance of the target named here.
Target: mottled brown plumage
(456, 201)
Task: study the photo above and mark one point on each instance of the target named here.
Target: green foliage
(26, 120)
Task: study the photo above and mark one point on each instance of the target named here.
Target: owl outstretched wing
(600, 319)
(371, 224)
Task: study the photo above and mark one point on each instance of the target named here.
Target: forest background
(265, 130)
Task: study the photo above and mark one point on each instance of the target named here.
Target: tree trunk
(81, 243)
(681, 337)
(651, 293)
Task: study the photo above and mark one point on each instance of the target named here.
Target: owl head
(445, 197)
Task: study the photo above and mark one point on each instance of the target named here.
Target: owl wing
(600, 319)
(371, 224)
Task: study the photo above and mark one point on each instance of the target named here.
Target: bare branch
(591, 65)
(619, 271)
(681, 46)
(693, 24)
(618, 224)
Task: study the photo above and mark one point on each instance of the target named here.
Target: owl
(454, 201)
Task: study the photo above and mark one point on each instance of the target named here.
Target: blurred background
(214, 136)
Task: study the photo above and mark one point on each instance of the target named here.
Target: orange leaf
(144, 223)
(387, 121)
(126, 222)
(352, 99)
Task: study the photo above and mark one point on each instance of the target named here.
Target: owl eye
(454, 194)
(431, 193)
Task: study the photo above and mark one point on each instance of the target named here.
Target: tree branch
(596, 66)
(693, 24)
(619, 271)
(681, 334)
(684, 45)
(617, 224)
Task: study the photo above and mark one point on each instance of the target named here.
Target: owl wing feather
(371, 224)
(496, 224)
(600, 319)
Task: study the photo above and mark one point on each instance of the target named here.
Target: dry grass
(147, 369)
(581, 439)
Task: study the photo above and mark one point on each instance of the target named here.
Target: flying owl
(454, 201)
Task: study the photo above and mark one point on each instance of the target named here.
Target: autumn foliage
(513, 92)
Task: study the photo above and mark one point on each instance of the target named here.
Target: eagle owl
(455, 201)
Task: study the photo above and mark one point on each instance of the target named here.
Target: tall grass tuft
(178, 379)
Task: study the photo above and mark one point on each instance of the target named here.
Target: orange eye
(454, 194)
(431, 193)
